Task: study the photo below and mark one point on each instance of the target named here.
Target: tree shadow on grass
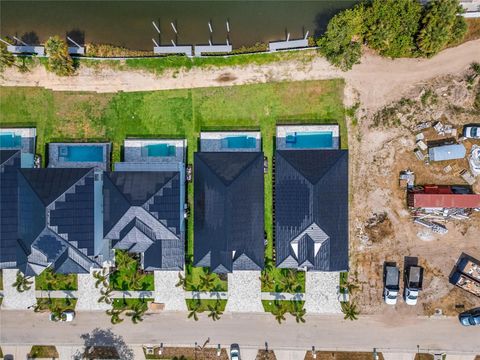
(106, 338)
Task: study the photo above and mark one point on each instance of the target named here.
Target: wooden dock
(286, 45)
(74, 50)
(26, 49)
(200, 49)
(162, 50)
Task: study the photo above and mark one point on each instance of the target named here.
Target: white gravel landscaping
(88, 294)
(321, 292)
(244, 292)
(12, 299)
(167, 293)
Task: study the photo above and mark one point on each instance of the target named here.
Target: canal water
(129, 23)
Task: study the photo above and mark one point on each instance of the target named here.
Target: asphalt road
(251, 330)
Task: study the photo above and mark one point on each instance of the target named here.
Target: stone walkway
(321, 290)
(244, 292)
(167, 293)
(272, 296)
(12, 299)
(88, 294)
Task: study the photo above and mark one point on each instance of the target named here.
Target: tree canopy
(441, 26)
(59, 61)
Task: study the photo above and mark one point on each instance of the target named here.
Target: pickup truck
(413, 282)
(391, 280)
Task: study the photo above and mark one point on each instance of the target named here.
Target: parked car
(472, 131)
(67, 316)
(234, 352)
(413, 284)
(391, 280)
(470, 317)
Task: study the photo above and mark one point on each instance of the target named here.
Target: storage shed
(447, 152)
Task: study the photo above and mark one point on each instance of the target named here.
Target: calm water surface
(129, 23)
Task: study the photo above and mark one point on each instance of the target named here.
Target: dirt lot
(382, 145)
(339, 355)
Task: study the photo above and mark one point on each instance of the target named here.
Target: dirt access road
(377, 80)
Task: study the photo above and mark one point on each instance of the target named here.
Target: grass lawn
(270, 306)
(205, 303)
(278, 278)
(49, 280)
(1, 280)
(43, 351)
(121, 278)
(52, 304)
(68, 116)
(194, 275)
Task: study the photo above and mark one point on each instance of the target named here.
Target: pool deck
(54, 161)
(284, 130)
(212, 141)
(133, 151)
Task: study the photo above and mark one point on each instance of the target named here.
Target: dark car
(470, 317)
(234, 352)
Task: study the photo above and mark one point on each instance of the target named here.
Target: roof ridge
(174, 174)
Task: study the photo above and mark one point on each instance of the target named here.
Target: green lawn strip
(205, 303)
(277, 275)
(271, 305)
(1, 280)
(49, 280)
(43, 352)
(121, 278)
(56, 304)
(130, 303)
(343, 281)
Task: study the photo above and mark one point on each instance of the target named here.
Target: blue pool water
(240, 142)
(310, 140)
(161, 150)
(10, 140)
(87, 153)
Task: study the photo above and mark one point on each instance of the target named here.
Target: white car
(67, 316)
(471, 131)
(411, 297)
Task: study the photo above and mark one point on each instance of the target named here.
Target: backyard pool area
(302, 137)
(230, 141)
(310, 140)
(90, 153)
(79, 155)
(160, 150)
(9, 140)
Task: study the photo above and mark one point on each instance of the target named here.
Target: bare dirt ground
(382, 145)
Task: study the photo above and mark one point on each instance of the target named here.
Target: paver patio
(321, 292)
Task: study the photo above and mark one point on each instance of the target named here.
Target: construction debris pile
(466, 274)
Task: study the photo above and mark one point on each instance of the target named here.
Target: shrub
(391, 26)
(341, 43)
(6, 58)
(59, 61)
(441, 26)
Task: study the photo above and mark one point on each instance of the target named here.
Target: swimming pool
(310, 140)
(10, 140)
(161, 150)
(239, 142)
(81, 153)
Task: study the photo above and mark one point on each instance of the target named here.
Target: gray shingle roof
(142, 215)
(9, 165)
(311, 209)
(56, 227)
(229, 211)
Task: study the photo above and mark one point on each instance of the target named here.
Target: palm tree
(267, 279)
(101, 278)
(115, 315)
(41, 304)
(194, 310)
(475, 66)
(350, 310)
(136, 281)
(182, 281)
(59, 61)
(268, 264)
(137, 312)
(298, 312)
(289, 282)
(207, 280)
(6, 58)
(215, 311)
(49, 278)
(123, 259)
(279, 312)
(22, 283)
(106, 295)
